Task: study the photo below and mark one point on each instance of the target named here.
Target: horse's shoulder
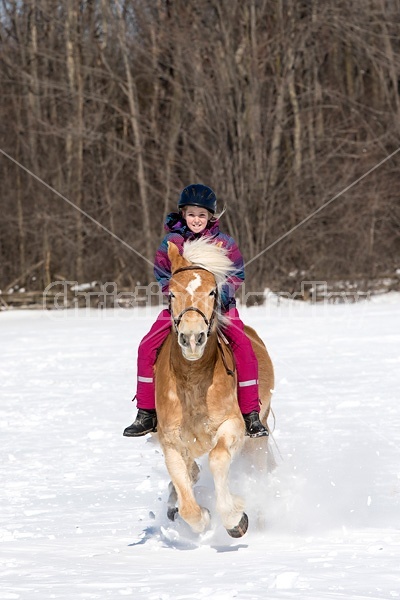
(163, 350)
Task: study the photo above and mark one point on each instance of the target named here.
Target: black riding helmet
(197, 194)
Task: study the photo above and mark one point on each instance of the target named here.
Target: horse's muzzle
(192, 344)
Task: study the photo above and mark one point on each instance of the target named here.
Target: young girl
(197, 206)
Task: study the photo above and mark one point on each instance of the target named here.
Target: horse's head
(194, 292)
(193, 296)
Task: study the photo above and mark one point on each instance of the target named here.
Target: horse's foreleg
(172, 509)
(229, 506)
(182, 479)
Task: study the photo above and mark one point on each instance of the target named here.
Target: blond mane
(207, 254)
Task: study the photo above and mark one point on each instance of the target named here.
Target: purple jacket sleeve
(162, 264)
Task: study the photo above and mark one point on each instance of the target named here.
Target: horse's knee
(232, 434)
(228, 443)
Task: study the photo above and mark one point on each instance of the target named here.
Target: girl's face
(196, 218)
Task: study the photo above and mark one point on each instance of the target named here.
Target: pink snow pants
(246, 361)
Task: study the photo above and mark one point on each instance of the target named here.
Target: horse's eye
(171, 295)
(213, 293)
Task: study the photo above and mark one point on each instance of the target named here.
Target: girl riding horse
(196, 219)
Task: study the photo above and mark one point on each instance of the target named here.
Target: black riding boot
(145, 422)
(254, 427)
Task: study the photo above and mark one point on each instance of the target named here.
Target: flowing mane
(205, 253)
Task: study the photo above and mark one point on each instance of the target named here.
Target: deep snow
(84, 509)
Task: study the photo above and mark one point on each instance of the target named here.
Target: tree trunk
(135, 121)
(74, 141)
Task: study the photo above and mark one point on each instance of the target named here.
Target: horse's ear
(176, 259)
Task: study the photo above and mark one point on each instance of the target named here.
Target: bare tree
(278, 106)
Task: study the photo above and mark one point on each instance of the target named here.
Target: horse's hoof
(241, 528)
(203, 523)
(172, 513)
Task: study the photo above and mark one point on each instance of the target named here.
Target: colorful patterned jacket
(178, 233)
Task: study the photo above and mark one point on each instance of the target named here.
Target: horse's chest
(197, 432)
(192, 421)
(193, 445)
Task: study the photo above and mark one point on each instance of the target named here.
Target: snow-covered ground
(84, 509)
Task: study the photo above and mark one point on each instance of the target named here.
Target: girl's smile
(196, 218)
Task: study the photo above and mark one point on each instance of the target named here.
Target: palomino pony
(196, 397)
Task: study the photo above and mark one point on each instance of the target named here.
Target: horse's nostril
(200, 339)
(183, 341)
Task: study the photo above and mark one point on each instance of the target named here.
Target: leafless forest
(278, 105)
